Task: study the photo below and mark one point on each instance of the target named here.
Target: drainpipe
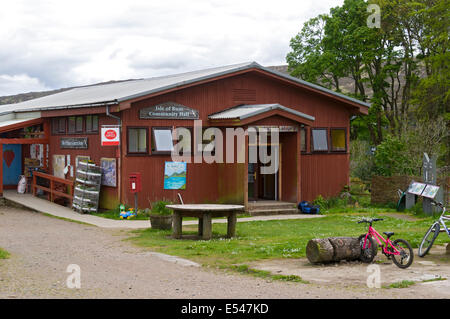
(119, 162)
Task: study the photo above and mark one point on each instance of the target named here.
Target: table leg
(200, 226)
(207, 226)
(231, 226)
(177, 224)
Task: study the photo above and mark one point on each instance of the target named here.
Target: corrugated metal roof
(114, 93)
(245, 111)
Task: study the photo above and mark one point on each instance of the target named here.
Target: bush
(392, 158)
(160, 208)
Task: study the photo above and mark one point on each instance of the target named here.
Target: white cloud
(63, 43)
(16, 83)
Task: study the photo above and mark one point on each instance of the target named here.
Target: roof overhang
(245, 114)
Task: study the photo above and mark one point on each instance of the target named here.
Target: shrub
(159, 207)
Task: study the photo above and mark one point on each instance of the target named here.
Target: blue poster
(175, 175)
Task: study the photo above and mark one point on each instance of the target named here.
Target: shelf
(87, 187)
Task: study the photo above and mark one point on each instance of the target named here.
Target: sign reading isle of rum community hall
(168, 110)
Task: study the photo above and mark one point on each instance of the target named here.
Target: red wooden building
(312, 122)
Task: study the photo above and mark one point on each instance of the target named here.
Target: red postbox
(135, 182)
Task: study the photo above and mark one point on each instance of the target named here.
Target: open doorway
(265, 183)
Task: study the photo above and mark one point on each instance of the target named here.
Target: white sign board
(110, 136)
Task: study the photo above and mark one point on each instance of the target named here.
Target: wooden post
(231, 226)
(51, 190)
(33, 185)
(177, 224)
(207, 226)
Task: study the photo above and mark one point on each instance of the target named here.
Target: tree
(385, 64)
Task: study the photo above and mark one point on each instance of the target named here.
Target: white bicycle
(434, 231)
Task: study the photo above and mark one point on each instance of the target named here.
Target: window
(79, 124)
(71, 125)
(303, 139)
(162, 141)
(91, 123)
(62, 125)
(137, 141)
(183, 141)
(319, 140)
(338, 140)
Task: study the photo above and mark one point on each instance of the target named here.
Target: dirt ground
(43, 247)
(431, 272)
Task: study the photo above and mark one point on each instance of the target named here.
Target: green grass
(3, 254)
(408, 283)
(259, 240)
(401, 284)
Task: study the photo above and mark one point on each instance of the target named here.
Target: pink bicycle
(399, 250)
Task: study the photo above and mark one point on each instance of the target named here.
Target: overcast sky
(54, 44)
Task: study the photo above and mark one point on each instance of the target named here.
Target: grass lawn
(3, 254)
(259, 240)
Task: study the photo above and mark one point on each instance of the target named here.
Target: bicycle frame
(442, 220)
(380, 240)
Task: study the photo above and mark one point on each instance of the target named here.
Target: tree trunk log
(332, 249)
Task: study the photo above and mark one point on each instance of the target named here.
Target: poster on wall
(108, 166)
(175, 175)
(59, 164)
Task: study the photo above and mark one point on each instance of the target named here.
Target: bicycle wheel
(428, 239)
(406, 257)
(369, 251)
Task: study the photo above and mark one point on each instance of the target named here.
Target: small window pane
(163, 140)
(62, 125)
(55, 125)
(79, 124)
(137, 140)
(95, 123)
(320, 142)
(338, 142)
(89, 123)
(71, 124)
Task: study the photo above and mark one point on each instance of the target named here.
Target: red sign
(110, 136)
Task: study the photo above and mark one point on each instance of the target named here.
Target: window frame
(345, 138)
(91, 130)
(143, 153)
(313, 150)
(153, 142)
(305, 131)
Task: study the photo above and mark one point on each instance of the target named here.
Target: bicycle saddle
(388, 233)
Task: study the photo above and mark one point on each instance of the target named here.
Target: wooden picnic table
(204, 213)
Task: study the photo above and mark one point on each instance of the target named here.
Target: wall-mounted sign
(110, 135)
(175, 175)
(74, 142)
(281, 128)
(168, 110)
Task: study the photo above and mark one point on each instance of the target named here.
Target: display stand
(87, 187)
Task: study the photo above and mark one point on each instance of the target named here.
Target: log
(332, 249)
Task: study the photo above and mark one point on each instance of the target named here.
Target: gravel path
(42, 247)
